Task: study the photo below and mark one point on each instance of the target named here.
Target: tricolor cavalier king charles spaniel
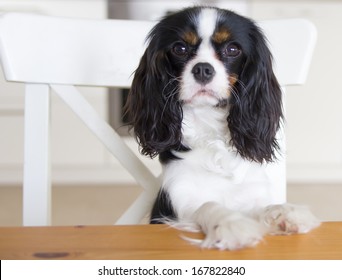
(204, 98)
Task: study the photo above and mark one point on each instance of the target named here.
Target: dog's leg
(225, 229)
(287, 219)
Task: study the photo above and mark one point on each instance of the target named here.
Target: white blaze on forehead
(207, 23)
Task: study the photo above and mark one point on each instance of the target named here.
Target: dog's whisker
(170, 95)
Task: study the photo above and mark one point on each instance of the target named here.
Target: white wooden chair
(51, 53)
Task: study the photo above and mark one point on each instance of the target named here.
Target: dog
(204, 99)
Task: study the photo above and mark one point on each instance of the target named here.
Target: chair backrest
(43, 49)
(62, 52)
(52, 50)
(292, 43)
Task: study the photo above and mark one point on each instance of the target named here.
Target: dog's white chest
(204, 126)
(212, 170)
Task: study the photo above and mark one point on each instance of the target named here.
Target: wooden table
(157, 242)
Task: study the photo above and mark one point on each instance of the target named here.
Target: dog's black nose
(203, 72)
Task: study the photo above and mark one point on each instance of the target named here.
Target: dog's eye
(180, 49)
(232, 50)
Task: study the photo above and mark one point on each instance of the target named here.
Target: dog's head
(206, 57)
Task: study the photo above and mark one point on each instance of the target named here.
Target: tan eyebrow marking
(191, 38)
(221, 36)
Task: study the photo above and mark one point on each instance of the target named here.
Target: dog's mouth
(205, 96)
(205, 93)
(202, 95)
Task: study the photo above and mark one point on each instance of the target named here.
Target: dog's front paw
(287, 219)
(233, 232)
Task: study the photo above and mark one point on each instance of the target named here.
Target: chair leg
(118, 148)
(37, 181)
(106, 135)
